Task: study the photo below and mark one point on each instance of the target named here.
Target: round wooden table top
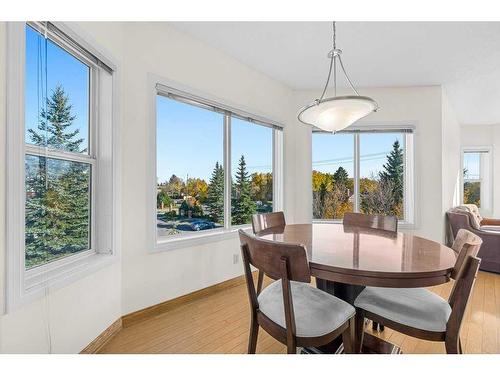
(369, 257)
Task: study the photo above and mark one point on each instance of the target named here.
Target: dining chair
(268, 221)
(272, 221)
(290, 309)
(420, 313)
(382, 222)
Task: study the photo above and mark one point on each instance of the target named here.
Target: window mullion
(406, 207)
(356, 172)
(277, 170)
(57, 154)
(227, 170)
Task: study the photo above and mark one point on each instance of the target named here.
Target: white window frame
(24, 286)
(164, 87)
(479, 149)
(408, 132)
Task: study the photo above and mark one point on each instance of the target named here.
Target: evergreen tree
(163, 200)
(58, 191)
(340, 176)
(215, 195)
(54, 123)
(243, 206)
(393, 172)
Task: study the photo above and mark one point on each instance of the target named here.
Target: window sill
(197, 239)
(44, 279)
(401, 224)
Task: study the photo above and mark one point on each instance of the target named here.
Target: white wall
(163, 51)
(66, 320)
(77, 313)
(80, 311)
(420, 106)
(486, 135)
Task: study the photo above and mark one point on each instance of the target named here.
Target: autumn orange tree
(261, 187)
(197, 188)
(332, 194)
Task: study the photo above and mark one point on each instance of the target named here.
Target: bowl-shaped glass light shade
(337, 113)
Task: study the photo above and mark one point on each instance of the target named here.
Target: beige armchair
(477, 221)
(468, 217)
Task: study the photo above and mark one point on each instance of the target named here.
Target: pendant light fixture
(337, 112)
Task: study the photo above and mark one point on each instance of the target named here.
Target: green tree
(58, 191)
(215, 194)
(340, 176)
(393, 172)
(243, 206)
(163, 200)
(53, 129)
(472, 193)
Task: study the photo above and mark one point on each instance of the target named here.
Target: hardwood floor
(219, 324)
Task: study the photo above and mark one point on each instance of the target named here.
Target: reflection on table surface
(365, 249)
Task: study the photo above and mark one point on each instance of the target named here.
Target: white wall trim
(411, 197)
(15, 163)
(490, 150)
(24, 286)
(186, 240)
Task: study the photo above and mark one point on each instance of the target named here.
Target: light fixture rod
(333, 55)
(332, 60)
(336, 112)
(347, 77)
(334, 26)
(334, 75)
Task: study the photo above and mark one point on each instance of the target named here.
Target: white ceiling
(464, 57)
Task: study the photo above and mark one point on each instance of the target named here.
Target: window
(190, 191)
(477, 178)
(252, 166)
(61, 195)
(59, 155)
(333, 176)
(381, 174)
(214, 166)
(362, 171)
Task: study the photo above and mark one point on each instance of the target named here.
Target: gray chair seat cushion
(413, 307)
(316, 312)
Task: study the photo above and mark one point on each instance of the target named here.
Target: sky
(189, 141)
(331, 151)
(472, 162)
(47, 65)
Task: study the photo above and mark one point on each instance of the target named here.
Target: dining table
(346, 259)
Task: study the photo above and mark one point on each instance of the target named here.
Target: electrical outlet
(236, 258)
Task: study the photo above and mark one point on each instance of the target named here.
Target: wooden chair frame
(465, 274)
(269, 222)
(380, 222)
(289, 263)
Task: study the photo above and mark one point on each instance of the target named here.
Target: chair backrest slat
(382, 222)
(272, 220)
(466, 243)
(461, 292)
(267, 256)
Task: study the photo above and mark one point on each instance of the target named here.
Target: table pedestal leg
(348, 293)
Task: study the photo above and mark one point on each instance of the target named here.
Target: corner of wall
(450, 156)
